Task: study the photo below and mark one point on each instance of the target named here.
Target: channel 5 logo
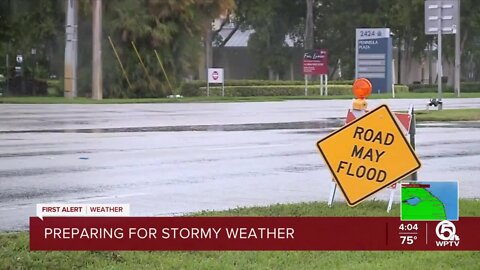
(446, 232)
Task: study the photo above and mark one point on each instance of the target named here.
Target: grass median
(448, 115)
(15, 254)
(81, 100)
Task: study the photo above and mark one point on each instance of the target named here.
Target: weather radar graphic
(422, 201)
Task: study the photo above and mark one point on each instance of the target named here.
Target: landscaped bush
(465, 87)
(55, 88)
(292, 88)
(20, 86)
(282, 90)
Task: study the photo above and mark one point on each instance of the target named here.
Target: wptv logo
(446, 232)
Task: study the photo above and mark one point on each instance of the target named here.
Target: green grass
(61, 100)
(448, 115)
(15, 254)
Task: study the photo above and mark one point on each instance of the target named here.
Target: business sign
(441, 15)
(373, 58)
(215, 75)
(315, 62)
(368, 155)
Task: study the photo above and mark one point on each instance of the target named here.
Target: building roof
(241, 37)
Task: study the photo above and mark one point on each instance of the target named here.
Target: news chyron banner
(110, 227)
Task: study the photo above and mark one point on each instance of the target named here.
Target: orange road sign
(368, 155)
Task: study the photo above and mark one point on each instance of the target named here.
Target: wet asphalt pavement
(171, 159)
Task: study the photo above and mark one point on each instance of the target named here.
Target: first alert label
(82, 210)
(368, 154)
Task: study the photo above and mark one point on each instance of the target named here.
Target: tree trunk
(309, 26)
(208, 48)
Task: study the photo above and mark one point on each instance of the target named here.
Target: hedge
(282, 90)
(20, 86)
(192, 88)
(465, 87)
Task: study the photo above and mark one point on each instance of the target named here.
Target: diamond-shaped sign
(368, 154)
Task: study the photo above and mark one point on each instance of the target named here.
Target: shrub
(21, 86)
(466, 87)
(401, 88)
(192, 88)
(55, 88)
(282, 90)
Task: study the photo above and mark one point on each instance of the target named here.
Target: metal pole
(390, 199)
(457, 53)
(412, 132)
(321, 84)
(393, 78)
(326, 84)
(306, 85)
(97, 76)
(208, 83)
(430, 48)
(331, 197)
(439, 60)
(70, 68)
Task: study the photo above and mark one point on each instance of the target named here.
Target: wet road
(169, 159)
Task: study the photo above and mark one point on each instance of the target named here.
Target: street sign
(215, 75)
(373, 57)
(315, 62)
(443, 17)
(19, 58)
(368, 155)
(441, 14)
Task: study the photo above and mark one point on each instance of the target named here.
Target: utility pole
(70, 69)
(97, 76)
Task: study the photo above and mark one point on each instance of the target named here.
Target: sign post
(215, 75)
(442, 17)
(315, 62)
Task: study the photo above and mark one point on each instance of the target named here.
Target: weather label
(424, 201)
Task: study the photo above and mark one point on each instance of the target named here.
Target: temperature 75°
(408, 239)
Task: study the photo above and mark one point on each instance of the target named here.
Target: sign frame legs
(323, 84)
(390, 199)
(306, 85)
(333, 190)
